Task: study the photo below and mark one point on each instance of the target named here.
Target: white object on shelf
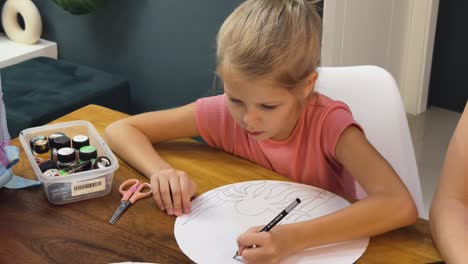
(32, 21)
(12, 52)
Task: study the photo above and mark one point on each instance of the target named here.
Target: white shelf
(12, 52)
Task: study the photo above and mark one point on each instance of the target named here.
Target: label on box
(91, 186)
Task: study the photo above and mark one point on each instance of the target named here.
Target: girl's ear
(310, 83)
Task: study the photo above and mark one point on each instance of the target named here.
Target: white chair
(374, 98)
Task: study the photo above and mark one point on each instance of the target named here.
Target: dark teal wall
(164, 48)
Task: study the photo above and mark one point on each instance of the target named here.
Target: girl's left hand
(263, 247)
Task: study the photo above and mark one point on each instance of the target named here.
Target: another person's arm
(133, 138)
(449, 209)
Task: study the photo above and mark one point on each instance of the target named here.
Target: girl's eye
(236, 101)
(269, 107)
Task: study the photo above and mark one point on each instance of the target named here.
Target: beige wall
(397, 35)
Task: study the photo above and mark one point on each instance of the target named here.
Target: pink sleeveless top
(307, 156)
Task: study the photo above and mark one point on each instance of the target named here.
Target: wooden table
(34, 231)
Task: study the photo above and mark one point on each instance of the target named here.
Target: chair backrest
(374, 98)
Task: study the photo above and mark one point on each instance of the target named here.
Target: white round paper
(209, 233)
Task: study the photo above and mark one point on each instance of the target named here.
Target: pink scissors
(130, 196)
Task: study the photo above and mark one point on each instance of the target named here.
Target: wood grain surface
(34, 231)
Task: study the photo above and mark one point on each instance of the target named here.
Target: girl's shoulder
(320, 103)
(211, 103)
(328, 115)
(213, 98)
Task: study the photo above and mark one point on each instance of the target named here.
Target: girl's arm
(449, 209)
(388, 206)
(133, 138)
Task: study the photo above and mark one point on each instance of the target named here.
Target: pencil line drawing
(258, 197)
(220, 215)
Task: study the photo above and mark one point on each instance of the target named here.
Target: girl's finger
(249, 240)
(188, 190)
(176, 194)
(165, 191)
(156, 193)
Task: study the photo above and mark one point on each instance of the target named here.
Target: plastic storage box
(76, 186)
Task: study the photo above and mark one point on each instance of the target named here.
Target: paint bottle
(65, 158)
(101, 162)
(87, 153)
(78, 142)
(34, 139)
(41, 150)
(52, 144)
(62, 142)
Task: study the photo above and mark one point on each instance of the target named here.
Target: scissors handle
(134, 193)
(128, 187)
(139, 194)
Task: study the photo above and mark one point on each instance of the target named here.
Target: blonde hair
(272, 36)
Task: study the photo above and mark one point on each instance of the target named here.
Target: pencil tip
(235, 256)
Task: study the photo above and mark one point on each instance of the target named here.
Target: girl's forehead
(256, 91)
(260, 88)
(231, 76)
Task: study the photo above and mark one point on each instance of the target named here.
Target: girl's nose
(251, 117)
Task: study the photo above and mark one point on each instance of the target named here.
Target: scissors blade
(122, 207)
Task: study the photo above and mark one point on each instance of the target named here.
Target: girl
(268, 52)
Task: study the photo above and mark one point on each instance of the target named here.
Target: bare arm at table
(133, 139)
(449, 209)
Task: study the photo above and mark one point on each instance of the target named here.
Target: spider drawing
(257, 197)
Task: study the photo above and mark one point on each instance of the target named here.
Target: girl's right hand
(172, 190)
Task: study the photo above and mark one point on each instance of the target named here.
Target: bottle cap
(41, 146)
(34, 139)
(54, 136)
(62, 142)
(80, 141)
(88, 153)
(101, 162)
(66, 155)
